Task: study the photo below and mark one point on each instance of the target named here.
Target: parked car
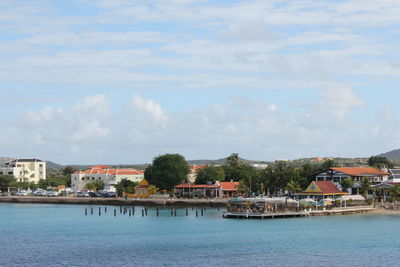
(4, 194)
(23, 193)
(109, 194)
(82, 194)
(52, 193)
(94, 194)
(40, 193)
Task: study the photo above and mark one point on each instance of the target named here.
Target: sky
(122, 81)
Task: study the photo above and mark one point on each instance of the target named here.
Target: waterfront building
(217, 190)
(108, 175)
(191, 177)
(356, 174)
(25, 170)
(321, 190)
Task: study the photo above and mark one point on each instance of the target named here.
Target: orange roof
(196, 186)
(229, 186)
(360, 171)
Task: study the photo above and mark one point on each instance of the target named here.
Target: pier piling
(99, 211)
(187, 212)
(142, 213)
(115, 212)
(91, 211)
(86, 211)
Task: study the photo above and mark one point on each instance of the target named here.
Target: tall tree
(210, 174)
(329, 163)
(125, 186)
(233, 160)
(6, 181)
(346, 183)
(379, 162)
(167, 171)
(365, 187)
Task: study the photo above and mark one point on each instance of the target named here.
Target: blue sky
(123, 81)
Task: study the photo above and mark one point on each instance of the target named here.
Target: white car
(40, 193)
(52, 193)
(23, 193)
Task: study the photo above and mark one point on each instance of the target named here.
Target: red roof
(229, 186)
(196, 186)
(327, 187)
(360, 171)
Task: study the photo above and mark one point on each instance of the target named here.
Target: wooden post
(197, 214)
(99, 211)
(172, 212)
(91, 211)
(115, 212)
(187, 213)
(175, 213)
(86, 211)
(130, 213)
(105, 209)
(142, 213)
(201, 212)
(145, 211)
(120, 210)
(158, 212)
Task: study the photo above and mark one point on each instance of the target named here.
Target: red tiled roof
(196, 186)
(360, 171)
(327, 187)
(229, 186)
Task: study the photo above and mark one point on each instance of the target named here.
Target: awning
(351, 197)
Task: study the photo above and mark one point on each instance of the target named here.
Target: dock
(282, 215)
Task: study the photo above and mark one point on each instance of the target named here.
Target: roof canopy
(318, 188)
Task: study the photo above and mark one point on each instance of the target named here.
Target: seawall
(116, 201)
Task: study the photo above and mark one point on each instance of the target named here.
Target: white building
(109, 176)
(25, 170)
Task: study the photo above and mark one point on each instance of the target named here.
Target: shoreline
(116, 201)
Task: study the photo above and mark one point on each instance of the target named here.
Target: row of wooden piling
(131, 211)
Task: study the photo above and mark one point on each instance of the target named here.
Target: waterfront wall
(117, 201)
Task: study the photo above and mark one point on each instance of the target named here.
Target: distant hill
(53, 165)
(392, 155)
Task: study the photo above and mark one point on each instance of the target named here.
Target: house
(191, 177)
(217, 190)
(108, 175)
(25, 170)
(322, 189)
(228, 189)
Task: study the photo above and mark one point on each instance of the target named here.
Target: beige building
(25, 170)
(108, 175)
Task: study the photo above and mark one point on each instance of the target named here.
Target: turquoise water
(61, 235)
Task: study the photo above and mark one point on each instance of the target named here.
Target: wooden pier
(265, 216)
(273, 215)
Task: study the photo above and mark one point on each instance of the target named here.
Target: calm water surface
(61, 235)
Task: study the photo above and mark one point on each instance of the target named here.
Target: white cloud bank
(90, 133)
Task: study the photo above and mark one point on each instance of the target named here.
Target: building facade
(108, 175)
(25, 170)
(356, 174)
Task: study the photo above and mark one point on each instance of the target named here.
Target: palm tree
(346, 183)
(293, 186)
(365, 186)
(233, 159)
(394, 191)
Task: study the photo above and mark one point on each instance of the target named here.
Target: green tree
(365, 186)
(394, 192)
(126, 186)
(248, 175)
(210, 174)
(346, 183)
(167, 171)
(6, 181)
(329, 163)
(90, 186)
(379, 162)
(99, 184)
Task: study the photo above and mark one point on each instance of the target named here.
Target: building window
(93, 178)
(11, 173)
(18, 165)
(83, 178)
(40, 165)
(1, 173)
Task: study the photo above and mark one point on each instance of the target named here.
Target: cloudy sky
(121, 81)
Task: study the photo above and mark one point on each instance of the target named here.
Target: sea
(62, 235)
